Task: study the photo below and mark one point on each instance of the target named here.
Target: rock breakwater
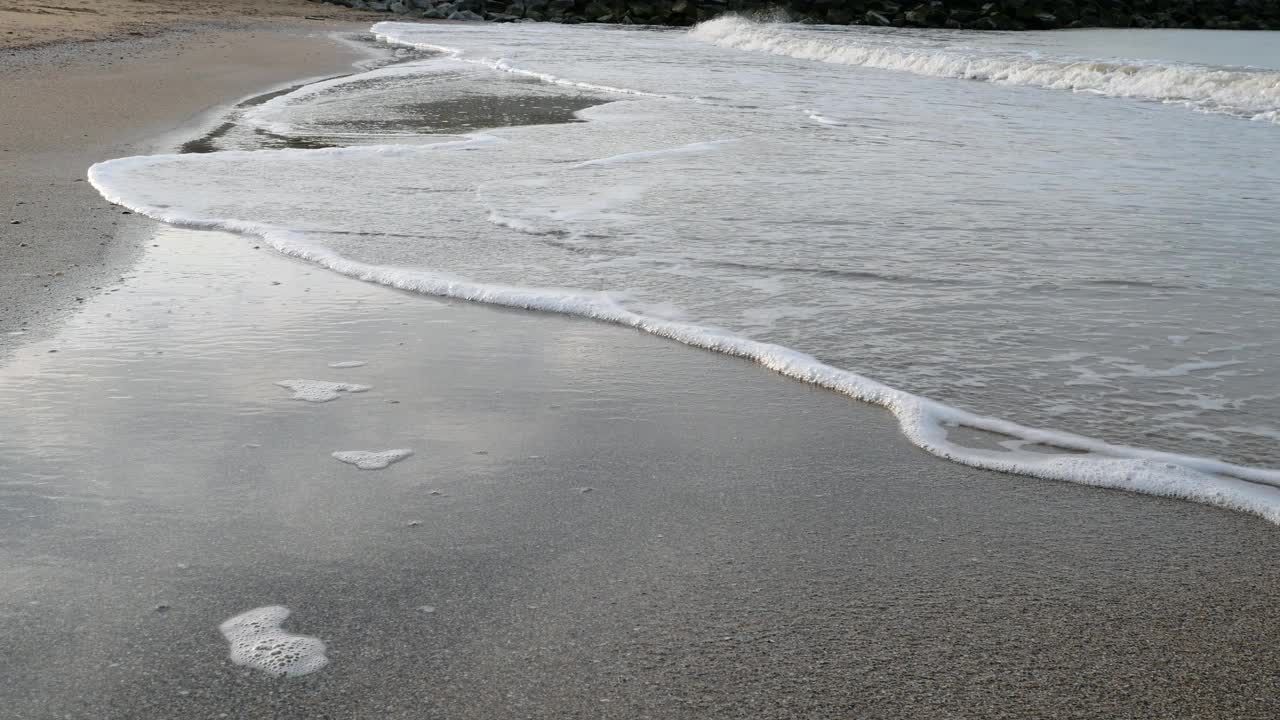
(955, 14)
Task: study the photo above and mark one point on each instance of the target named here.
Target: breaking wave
(1254, 94)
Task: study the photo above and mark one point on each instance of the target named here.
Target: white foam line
(394, 33)
(690, 149)
(922, 421)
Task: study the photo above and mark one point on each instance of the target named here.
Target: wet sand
(749, 546)
(595, 523)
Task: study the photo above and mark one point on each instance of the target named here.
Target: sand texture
(25, 23)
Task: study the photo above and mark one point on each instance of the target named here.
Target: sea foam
(372, 459)
(1249, 93)
(320, 390)
(258, 642)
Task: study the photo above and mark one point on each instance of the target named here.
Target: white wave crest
(923, 421)
(1248, 93)
(408, 35)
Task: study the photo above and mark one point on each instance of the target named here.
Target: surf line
(923, 421)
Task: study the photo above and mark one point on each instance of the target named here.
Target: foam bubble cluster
(320, 390)
(258, 642)
(347, 364)
(372, 459)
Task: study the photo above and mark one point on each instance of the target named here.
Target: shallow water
(1080, 240)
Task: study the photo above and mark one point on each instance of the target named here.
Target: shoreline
(1068, 456)
(67, 106)
(723, 563)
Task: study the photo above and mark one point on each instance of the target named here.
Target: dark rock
(464, 15)
(957, 14)
(839, 16)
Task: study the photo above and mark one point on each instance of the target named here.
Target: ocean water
(1053, 254)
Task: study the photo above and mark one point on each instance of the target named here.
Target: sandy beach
(595, 523)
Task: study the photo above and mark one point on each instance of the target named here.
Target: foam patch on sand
(372, 459)
(258, 642)
(320, 390)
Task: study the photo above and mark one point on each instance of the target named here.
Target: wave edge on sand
(924, 422)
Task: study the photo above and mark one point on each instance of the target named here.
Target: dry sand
(751, 547)
(26, 23)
